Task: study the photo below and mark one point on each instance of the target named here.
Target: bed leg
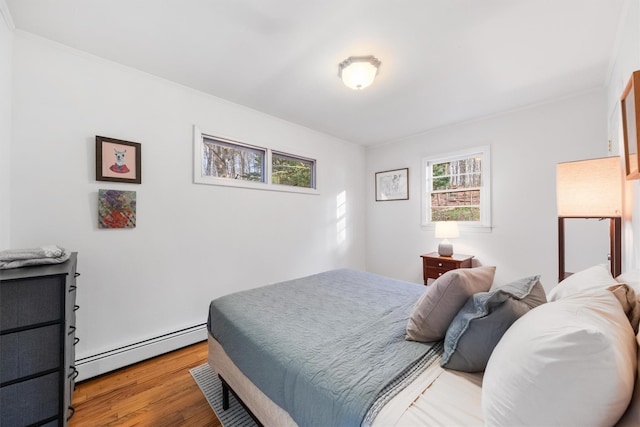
(225, 400)
(225, 394)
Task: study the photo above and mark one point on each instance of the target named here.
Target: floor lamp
(591, 189)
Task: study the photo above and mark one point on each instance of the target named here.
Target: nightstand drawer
(434, 273)
(441, 264)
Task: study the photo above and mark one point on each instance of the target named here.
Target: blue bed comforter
(321, 347)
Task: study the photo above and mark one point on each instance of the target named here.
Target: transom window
(220, 161)
(292, 170)
(457, 188)
(225, 159)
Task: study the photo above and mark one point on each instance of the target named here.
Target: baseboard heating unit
(107, 361)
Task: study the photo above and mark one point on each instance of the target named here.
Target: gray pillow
(439, 304)
(486, 316)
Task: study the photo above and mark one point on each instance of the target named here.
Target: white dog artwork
(120, 165)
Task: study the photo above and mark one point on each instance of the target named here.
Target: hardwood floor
(158, 392)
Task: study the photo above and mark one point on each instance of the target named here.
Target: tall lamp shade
(591, 189)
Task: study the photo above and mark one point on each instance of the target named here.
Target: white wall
(6, 38)
(192, 242)
(525, 145)
(626, 59)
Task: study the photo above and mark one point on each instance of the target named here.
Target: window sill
(238, 183)
(462, 227)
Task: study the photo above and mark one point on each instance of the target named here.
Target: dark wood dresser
(37, 339)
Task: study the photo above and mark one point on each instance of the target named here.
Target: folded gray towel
(14, 258)
(50, 251)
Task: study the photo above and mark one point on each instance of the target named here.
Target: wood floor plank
(158, 392)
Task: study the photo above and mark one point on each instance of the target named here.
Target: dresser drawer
(32, 301)
(22, 352)
(31, 401)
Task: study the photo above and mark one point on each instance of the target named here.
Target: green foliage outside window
(455, 194)
(289, 171)
(456, 214)
(225, 160)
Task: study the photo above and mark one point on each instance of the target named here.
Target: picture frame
(116, 209)
(392, 185)
(118, 160)
(630, 111)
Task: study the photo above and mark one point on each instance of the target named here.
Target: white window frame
(485, 189)
(198, 178)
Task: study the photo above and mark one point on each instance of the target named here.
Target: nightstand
(434, 265)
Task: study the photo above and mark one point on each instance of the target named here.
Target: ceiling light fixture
(358, 72)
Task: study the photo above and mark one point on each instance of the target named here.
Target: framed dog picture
(118, 160)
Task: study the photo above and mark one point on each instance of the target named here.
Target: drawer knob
(439, 274)
(439, 264)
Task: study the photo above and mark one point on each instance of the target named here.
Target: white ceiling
(443, 61)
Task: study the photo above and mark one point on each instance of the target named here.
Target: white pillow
(593, 278)
(571, 362)
(631, 418)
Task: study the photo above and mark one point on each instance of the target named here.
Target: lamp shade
(447, 229)
(358, 72)
(590, 188)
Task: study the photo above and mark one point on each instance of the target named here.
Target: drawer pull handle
(73, 411)
(74, 373)
(72, 329)
(76, 274)
(72, 288)
(76, 307)
(76, 340)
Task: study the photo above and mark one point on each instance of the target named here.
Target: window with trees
(224, 159)
(287, 169)
(221, 161)
(457, 188)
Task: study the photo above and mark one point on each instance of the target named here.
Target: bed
(350, 348)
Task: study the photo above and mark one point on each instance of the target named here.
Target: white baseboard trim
(107, 361)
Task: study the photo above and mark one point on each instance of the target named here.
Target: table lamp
(446, 230)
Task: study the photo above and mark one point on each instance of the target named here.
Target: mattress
(438, 397)
(328, 348)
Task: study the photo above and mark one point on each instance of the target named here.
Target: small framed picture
(116, 209)
(392, 185)
(118, 160)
